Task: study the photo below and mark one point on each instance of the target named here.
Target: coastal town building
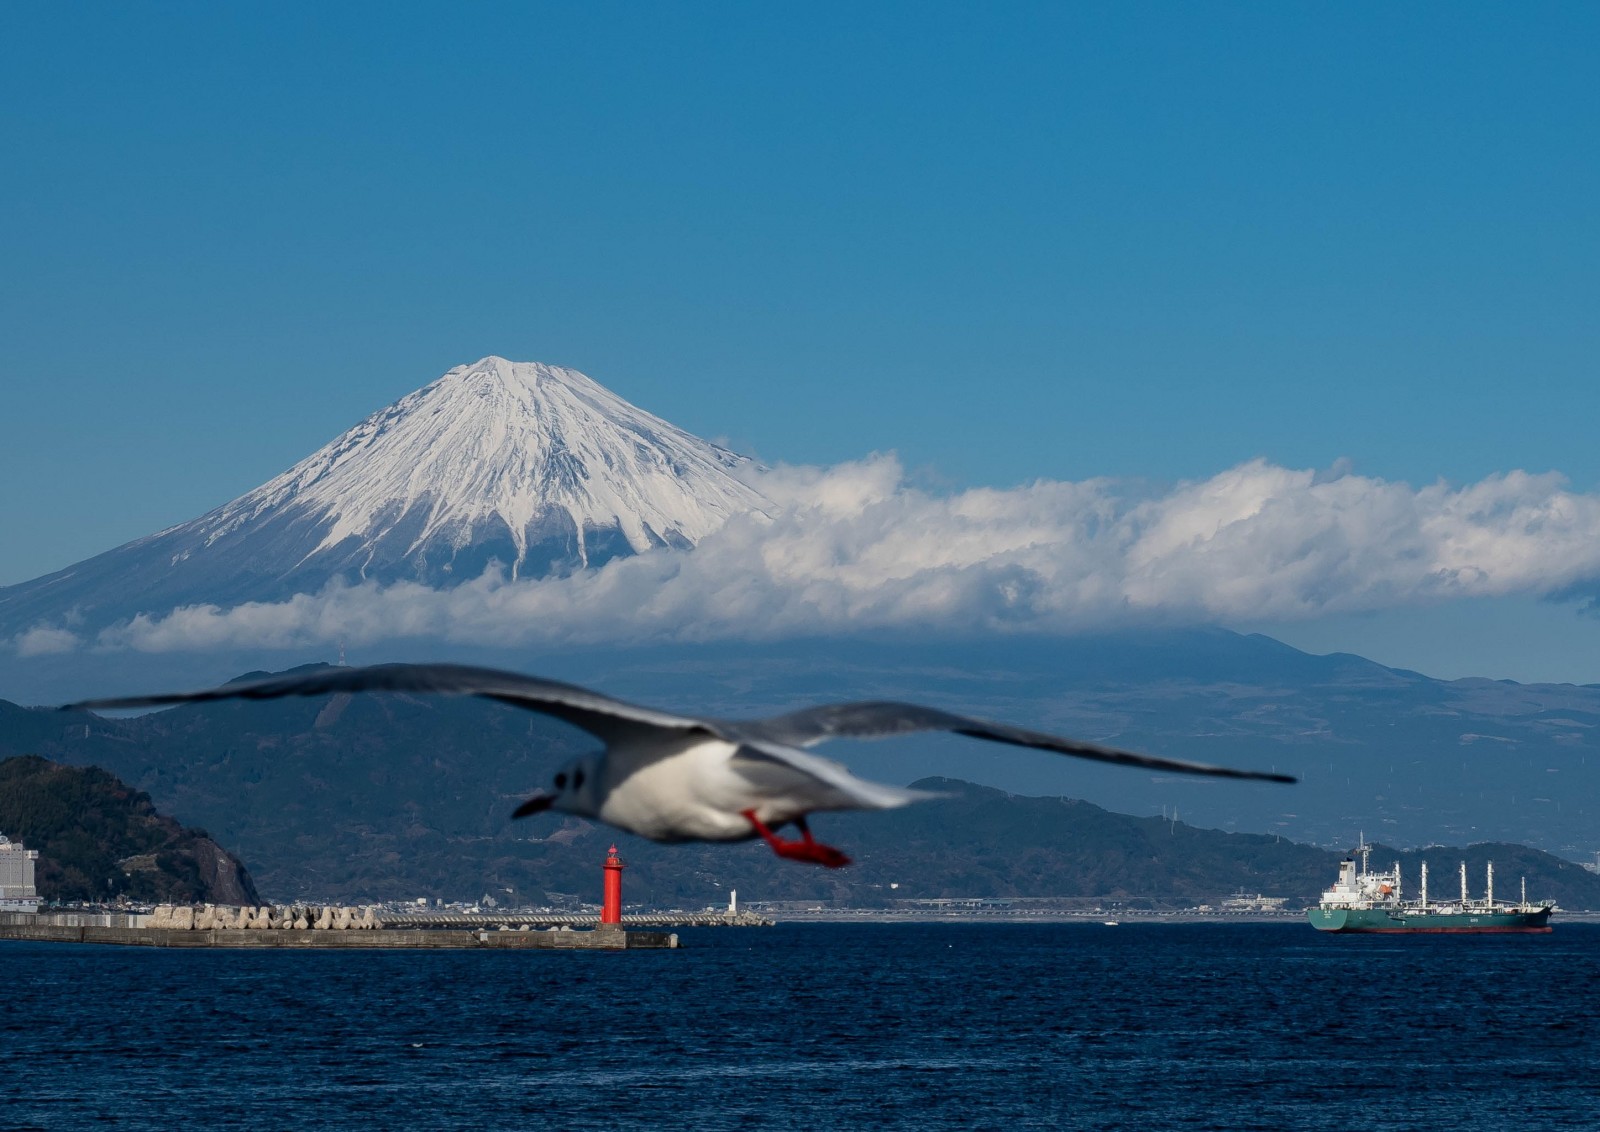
(17, 893)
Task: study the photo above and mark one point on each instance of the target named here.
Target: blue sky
(1006, 242)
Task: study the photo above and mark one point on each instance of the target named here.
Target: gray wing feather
(878, 719)
(861, 793)
(597, 714)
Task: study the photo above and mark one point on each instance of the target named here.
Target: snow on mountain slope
(519, 450)
(533, 466)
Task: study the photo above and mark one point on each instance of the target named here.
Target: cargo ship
(1365, 901)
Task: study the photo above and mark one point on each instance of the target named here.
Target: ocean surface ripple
(1142, 1026)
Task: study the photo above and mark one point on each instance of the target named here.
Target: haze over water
(884, 1026)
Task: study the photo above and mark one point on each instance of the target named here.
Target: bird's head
(574, 790)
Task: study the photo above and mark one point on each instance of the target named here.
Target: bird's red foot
(807, 849)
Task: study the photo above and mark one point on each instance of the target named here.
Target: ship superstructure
(1364, 901)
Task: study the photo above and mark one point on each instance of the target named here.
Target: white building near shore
(17, 893)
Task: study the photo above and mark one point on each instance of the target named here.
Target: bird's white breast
(690, 790)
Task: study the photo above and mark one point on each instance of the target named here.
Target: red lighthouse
(611, 910)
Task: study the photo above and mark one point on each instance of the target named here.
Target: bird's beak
(537, 804)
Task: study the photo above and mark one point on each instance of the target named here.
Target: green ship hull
(1413, 920)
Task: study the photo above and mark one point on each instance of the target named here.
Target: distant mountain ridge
(536, 467)
(373, 793)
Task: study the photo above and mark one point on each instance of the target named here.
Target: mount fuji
(532, 466)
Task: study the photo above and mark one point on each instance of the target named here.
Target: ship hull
(1375, 920)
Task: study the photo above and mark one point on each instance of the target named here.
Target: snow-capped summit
(533, 466)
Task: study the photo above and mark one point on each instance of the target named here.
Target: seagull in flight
(671, 777)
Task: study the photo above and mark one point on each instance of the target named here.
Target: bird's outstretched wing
(781, 768)
(600, 715)
(878, 719)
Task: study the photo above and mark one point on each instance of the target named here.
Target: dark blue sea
(820, 1026)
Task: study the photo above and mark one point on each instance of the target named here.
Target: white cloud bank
(855, 546)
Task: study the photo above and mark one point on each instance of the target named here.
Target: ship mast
(1488, 885)
(1424, 884)
(1463, 884)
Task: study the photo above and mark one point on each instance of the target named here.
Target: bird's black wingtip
(92, 705)
(537, 804)
(88, 706)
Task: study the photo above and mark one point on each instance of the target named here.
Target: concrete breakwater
(209, 917)
(518, 919)
(611, 940)
(182, 926)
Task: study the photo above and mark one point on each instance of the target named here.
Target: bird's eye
(561, 782)
(577, 780)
